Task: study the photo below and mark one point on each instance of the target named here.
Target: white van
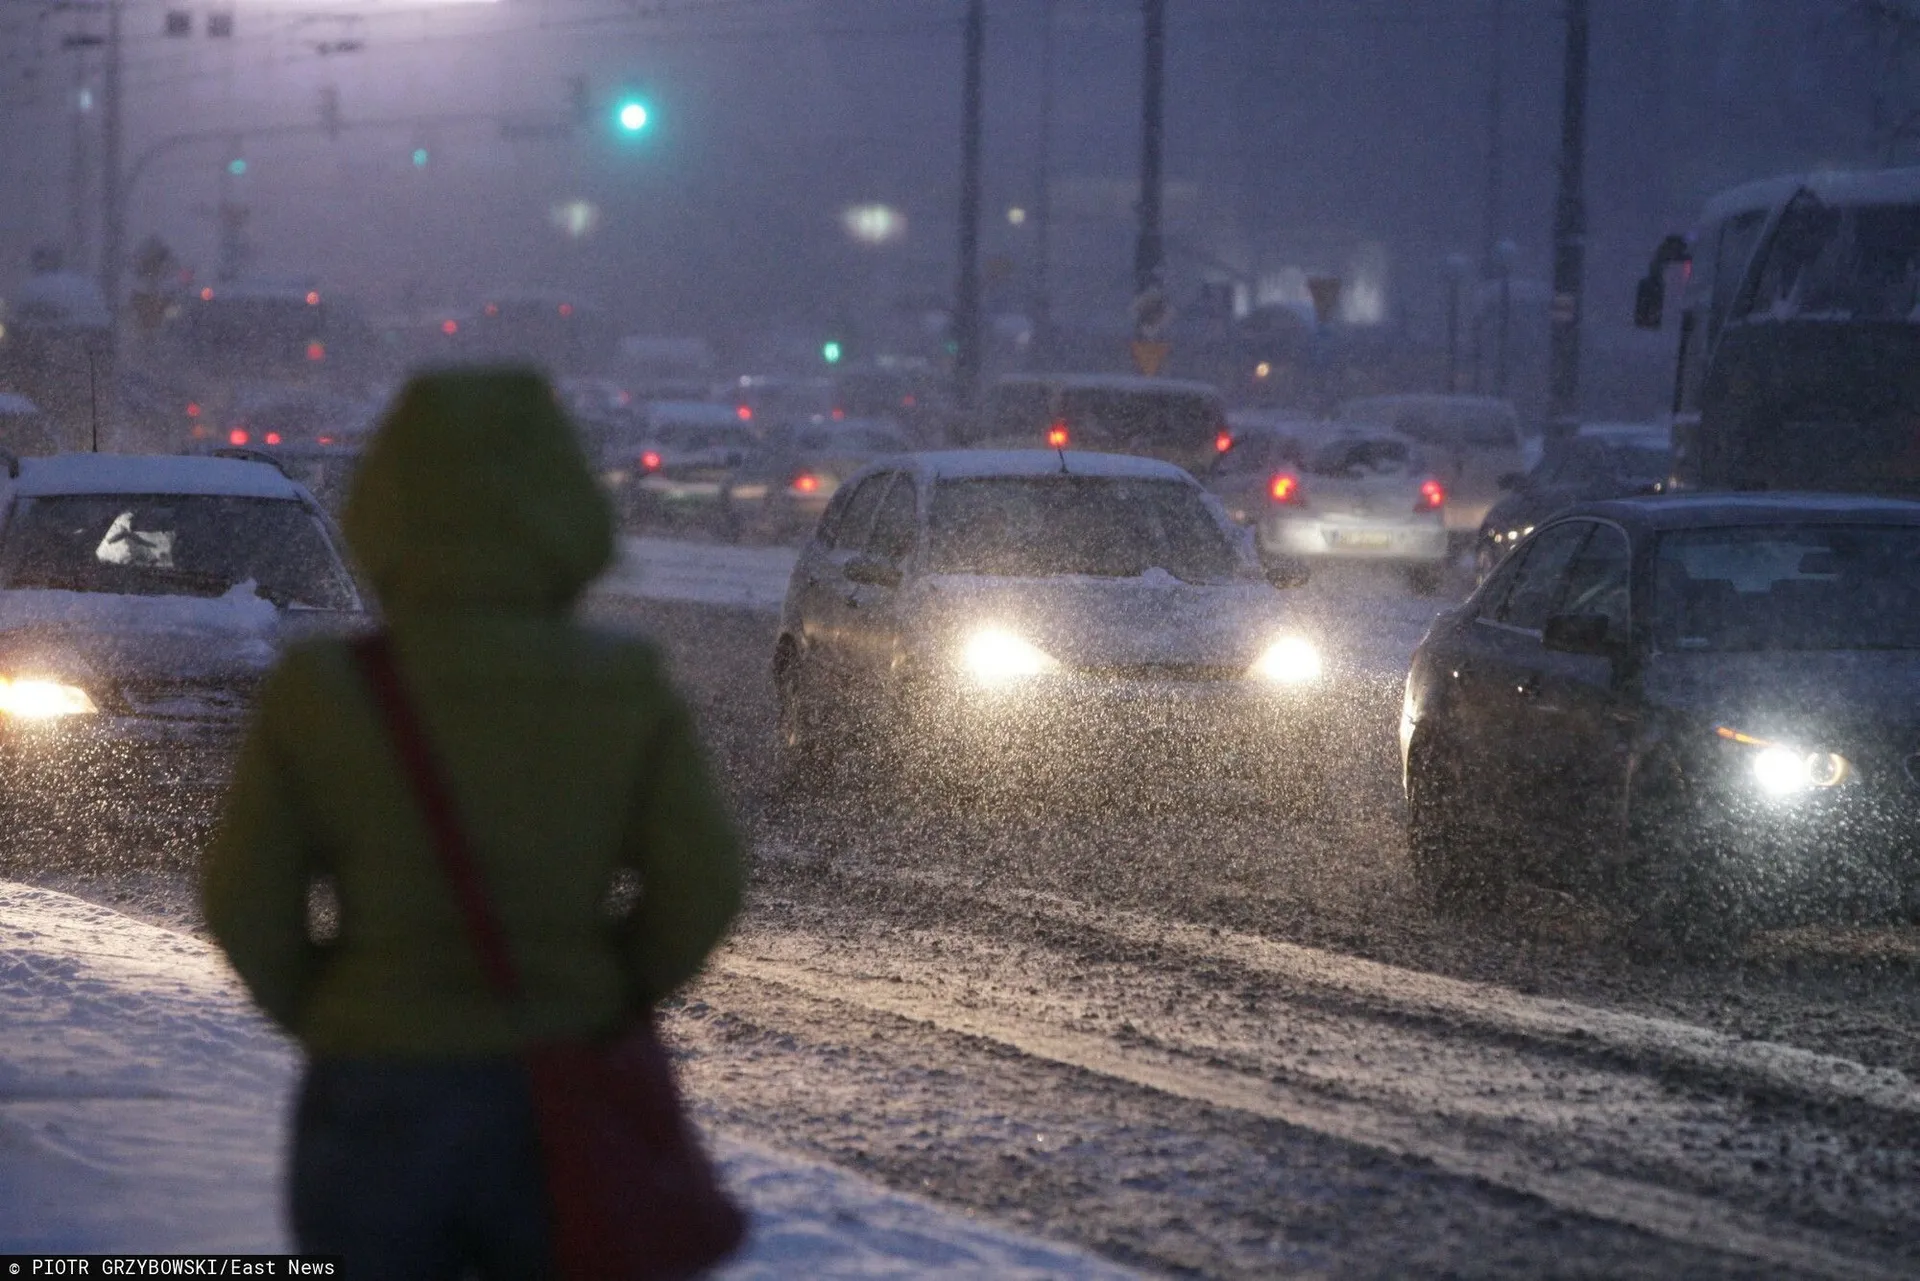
(1472, 440)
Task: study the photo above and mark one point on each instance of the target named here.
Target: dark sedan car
(1601, 461)
(1705, 706)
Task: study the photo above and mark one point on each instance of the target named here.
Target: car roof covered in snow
(1867, 187)
(152, 474)
(990, 464)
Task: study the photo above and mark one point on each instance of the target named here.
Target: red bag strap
(450, 844)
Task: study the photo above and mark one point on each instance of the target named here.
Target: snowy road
(1203, 1038)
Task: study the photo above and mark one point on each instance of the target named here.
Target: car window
(1360, 457)
(893, 526)
(1540, 578)
(175, 545)
(851, 533)
(1597, 580)
(1108, 527)
(1787, 587)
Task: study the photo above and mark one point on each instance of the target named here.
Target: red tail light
(744, 413)
(326, 440)
(238, 436)
(1057, 435)
(1223, 442)
(1433, 496)
(806, 483)
(650, 461)
(193, 409)
(449, 327)
(1285, 488)
(316, 351)
(839, 415)
(272, 438)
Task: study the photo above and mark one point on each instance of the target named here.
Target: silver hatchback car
(978, 612)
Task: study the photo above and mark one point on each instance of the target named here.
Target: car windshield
(174, 545)
(1106, 527)
(1360, 458)
(1806, 587)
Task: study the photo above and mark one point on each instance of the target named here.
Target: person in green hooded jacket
(570, 761)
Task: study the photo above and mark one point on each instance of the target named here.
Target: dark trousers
(413, 1169)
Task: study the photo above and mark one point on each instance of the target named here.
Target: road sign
(1150, 314)
(1325, 291)
(1149, 356)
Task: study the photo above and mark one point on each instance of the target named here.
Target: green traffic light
(236, 166)
(420, 157)
(633, 116)
(830, 352)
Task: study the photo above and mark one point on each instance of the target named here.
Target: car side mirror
(1650, 302)
(1510, 479)
(1580, 634)
(871, 571)
(1286, 572)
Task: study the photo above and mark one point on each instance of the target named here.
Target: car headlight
(34, 699)
(1291, 660)
(994, 656)
(1782, 770)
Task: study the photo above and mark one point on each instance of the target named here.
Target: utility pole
(1149, 300)
(1043, 201)
(1569, 233)
(78, 180)
(966, 303)
(114, 233)
(1496, 144)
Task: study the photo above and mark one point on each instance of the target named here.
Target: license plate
(1359, 540)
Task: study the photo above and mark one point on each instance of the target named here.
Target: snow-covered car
(1254, 448)
(1707, 705)
(142, 600)
(784, 486)
(1036, 610)
(1360, 497)
(684, 455)
(1474, 439)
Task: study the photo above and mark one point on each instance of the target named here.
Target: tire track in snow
(1201, 1075)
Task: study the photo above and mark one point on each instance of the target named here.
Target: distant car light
(744, 413)
(994, 657)
(1291, 660)
(806, 483)
(1433, 496)
(39, 700)
(272, 438)
(238, 436)
(1223, 442)
(1284, 488)
(650, 461)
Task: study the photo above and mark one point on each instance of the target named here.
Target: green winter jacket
(567, 753)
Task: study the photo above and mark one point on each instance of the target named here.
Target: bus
(1798, 363)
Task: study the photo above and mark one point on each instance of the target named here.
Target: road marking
(1665, 1212)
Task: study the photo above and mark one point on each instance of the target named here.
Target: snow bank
(143, 1107)
(702, 573)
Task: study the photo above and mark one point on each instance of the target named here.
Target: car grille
(1167, 672)
(188, 700)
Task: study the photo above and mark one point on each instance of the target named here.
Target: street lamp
(633, 116)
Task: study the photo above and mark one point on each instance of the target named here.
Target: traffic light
(831, 351)
(420, 157)
(633, 116)
(237, 166)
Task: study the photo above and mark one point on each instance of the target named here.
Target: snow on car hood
(1154, 619)
(81, 635)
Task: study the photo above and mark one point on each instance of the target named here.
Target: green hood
(474, 493)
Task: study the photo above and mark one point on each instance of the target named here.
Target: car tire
(1456, 868)
(1678, 898)
(1424, 580)
(801, 761)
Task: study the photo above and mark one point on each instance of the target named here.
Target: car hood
(1848, 699)
(1155, 620)
(129, 651)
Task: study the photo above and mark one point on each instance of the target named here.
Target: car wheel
(1455, 866)
(1424, 580)
(1678, 898)
(801, 760)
